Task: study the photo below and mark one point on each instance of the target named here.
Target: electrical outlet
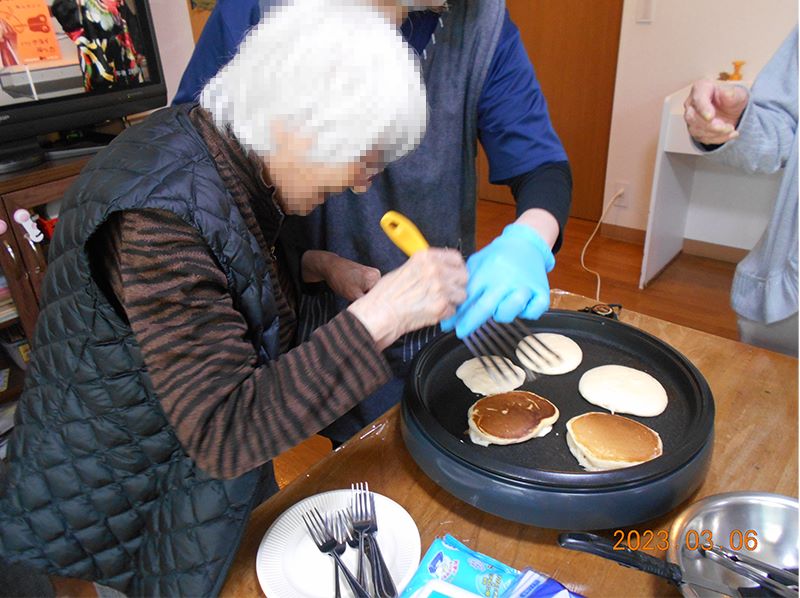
(624, 199)
(645, 11)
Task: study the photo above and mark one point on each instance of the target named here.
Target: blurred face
(302, 184)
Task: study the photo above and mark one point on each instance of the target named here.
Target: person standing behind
(756, 131)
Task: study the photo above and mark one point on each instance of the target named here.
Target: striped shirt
(230, 413)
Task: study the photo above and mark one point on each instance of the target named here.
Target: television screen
(70, 63)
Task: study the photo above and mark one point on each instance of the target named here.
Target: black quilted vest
(99, 487)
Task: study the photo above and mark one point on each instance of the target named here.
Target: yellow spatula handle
(403, 233)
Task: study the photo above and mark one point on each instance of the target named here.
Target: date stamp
(693, 539)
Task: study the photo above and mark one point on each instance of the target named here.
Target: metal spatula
(492, 338)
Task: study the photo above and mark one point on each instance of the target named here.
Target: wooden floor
(692, 291)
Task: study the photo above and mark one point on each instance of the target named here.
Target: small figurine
(23, 217)
(736, 75)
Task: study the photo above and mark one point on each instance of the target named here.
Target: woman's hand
(346, 278)
(421, 292)
(712, 111)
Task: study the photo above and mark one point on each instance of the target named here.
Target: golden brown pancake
(602, 441)
(510, 417)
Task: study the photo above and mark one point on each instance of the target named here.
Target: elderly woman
(162, 381)
(481, 87)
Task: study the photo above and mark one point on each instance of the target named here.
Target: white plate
(289, 565)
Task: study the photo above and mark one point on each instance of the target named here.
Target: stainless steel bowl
(727, 518)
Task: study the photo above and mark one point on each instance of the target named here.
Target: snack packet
(531, 583)
(452, 562)
(450, 569)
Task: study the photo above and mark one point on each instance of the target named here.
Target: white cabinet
(697, 199)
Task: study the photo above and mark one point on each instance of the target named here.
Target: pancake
(569, 354)
(510, 417)
(476, 377)
(602, 441)
(621, 389)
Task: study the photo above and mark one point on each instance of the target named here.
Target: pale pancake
(621, 389)
(510, 417)
(478, 380)
(602, 441)
(569, 354)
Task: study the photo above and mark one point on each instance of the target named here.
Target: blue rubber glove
(507, 278)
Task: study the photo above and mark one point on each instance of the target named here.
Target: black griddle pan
(436, 404)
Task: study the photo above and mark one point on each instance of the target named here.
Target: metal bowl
(773, 519)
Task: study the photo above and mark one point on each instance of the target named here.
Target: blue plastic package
(531, 583)
(450, 561)
(452, 570)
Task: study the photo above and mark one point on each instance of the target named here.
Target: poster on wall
(26, 33)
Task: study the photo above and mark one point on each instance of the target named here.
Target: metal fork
(501, 340)
(350, 535)
(386, 587)
(325, 541)
(336, 526)
(366, 523)
(360, 524)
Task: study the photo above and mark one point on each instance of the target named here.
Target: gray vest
(435, 186)
(99, 487)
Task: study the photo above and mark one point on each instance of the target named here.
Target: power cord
(614, 198)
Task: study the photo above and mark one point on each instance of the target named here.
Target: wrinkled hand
(346, 278)
(508, 278)
(421, 292)
(712, 111)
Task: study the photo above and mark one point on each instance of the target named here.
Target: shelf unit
(22, 261)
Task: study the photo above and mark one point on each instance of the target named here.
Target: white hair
(335, 71)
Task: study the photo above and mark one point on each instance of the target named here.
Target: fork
(366, 523)
(351, 537)
(359, 523)
(324, 540)
(386, 587)
(336, 526)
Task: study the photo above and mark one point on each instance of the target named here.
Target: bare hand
(346, 278)
(712, 111)
(421, 292)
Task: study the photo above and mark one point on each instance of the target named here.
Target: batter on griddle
(482, 379)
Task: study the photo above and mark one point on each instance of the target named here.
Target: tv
(68, 65)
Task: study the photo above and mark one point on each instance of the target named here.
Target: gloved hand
(508, 278)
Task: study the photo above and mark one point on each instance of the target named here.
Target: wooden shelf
(48, 172)
(9, 322)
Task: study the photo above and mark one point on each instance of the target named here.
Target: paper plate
(289, 565)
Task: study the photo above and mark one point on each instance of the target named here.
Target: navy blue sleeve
(222, 34)
(513, 123)
(549, 187)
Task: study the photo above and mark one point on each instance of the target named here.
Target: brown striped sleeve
(230, 414)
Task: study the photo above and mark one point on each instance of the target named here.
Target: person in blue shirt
(481, 87)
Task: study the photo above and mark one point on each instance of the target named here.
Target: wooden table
(755, 448)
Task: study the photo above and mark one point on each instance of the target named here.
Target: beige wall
(175, 40)
(687, 40)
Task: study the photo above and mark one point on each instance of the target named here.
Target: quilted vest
(99, 487)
